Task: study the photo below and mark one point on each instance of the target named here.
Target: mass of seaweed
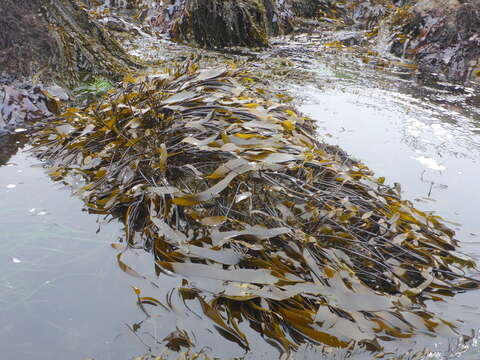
(223, 183)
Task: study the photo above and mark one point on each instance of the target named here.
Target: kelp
(268, 226)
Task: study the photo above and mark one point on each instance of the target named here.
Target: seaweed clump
(225, 184)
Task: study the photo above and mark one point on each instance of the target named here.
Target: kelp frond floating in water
(227, 185)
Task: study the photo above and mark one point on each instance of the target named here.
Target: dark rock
(443, 37)
(57, 39)
(303, 8)
(25, 43)
(214, 23)
(217, 24)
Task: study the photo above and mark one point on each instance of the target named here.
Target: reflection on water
(61, 295)
(425, 138)
(9, 145)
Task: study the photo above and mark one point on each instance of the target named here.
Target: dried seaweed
(278, 230)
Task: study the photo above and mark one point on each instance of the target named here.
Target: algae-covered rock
(443, 37)
(215, 24)
(57, 38)
(304, 8)
(25, 43)
(84, 47)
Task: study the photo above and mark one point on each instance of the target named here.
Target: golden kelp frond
(278, 229)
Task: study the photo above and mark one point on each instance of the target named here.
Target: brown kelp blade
(276, 228)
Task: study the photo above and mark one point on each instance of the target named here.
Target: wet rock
(367, 14)
(443, 37)
(303, 8)
(213, 23)
(360, 14)
(217, 24)
(83, 46)
(279, 17)
(24, 49)
(57, 39)
(22, 106)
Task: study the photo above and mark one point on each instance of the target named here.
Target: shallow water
(427, 138)
(63, 294)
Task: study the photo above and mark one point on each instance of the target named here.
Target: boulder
(213, 23)
(443, 37)
(217, 24)
(58, 39)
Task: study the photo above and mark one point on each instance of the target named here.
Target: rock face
(23, 48)
(443, 36)
(217, 24)
(58, 37)
(51, 40)
(83, 46)
(213, 23)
